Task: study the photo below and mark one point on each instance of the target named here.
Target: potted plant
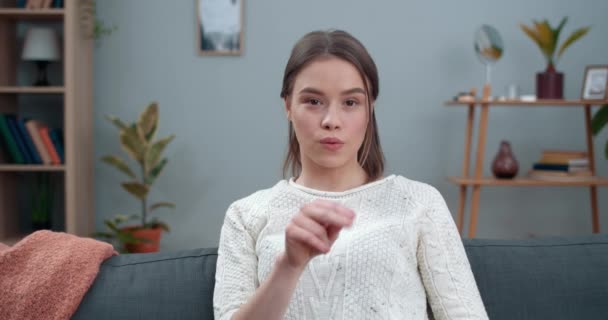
(137, 139)
(598, 122)
(550, 83)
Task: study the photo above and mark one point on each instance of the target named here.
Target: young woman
(339, 240)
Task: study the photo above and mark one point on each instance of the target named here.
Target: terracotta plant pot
(550, 84)
(505, 165)
(152, 235)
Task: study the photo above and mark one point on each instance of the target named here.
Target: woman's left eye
(351, 103)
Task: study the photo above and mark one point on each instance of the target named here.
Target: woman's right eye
(313, 101)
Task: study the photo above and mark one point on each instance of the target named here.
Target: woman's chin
(330, 162)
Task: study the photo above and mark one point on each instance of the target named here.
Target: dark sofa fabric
(548, 278)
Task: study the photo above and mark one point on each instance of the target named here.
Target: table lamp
(42, 46)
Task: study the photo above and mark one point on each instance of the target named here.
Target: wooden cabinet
(476, 180)
(70, 101)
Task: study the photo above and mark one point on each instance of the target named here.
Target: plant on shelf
(598, 122)
(93, 27)
(137, 139)
(549, 84)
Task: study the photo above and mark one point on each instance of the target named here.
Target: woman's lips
(332, 144)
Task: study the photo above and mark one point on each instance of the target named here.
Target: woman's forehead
(328, 74)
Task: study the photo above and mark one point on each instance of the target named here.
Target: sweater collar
(337, 194)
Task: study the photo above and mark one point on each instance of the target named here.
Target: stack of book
(29, 141)
(39, 4)
(562, 165)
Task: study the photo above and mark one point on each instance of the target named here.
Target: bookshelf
(476, 179)
(70, 100)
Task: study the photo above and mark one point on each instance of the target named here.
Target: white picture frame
(219, 25)
(595, 83)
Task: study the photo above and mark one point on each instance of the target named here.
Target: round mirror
(488, 44)
(488, 47)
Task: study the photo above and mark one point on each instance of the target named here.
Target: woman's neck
(333, 179)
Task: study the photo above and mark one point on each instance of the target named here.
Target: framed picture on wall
(595, 83)
(219, 27)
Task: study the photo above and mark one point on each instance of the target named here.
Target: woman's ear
(287, 107)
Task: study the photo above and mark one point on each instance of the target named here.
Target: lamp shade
(41, 44)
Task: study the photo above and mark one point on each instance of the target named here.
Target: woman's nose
(331, 119)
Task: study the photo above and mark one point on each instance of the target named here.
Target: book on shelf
(8, 142)
(559, 167)
(12, 124)
(582, 161)
(552, 175)
(562, 165)
(39, 4)
(569, 153)
(32, 128)
(29, 144)
(30, 141)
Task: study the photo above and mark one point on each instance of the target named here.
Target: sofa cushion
(166, 285)
(548, 278)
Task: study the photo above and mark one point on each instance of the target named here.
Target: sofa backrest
(166, 285)
(549, 278)
(546, 278)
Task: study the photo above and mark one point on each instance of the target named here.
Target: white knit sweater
(402, 249)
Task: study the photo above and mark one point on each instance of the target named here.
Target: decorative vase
(505, 165)
(550, 84)
(151, 236)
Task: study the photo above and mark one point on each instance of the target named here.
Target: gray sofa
(548, 278)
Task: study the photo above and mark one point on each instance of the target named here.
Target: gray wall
(231, 129)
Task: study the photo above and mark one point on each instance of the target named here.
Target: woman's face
(328, 110)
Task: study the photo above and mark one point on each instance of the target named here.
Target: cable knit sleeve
(446, 273)
(236, 272)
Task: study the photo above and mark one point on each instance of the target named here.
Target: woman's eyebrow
(311, 90)
(353, 90)
(345, 92)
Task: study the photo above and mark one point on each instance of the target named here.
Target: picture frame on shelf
(595, 83)
(219, 25)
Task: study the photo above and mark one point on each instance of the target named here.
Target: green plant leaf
(117, 122)
(128, 238)
(577, 34)
(599, 120)
(110, 224)
(122, 218)
(164, 204)
(155, 172)
(155, 223)
(119, 164)
(545, 36)
(156, 150)
(137, 189)
(164, 226)
(533, 34)
(104, 235)
(557, 31)
(132, 144)
(148, 122)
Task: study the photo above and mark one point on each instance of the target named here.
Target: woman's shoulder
(415, 190)
(257, 199)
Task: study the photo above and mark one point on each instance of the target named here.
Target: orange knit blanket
(46, 275)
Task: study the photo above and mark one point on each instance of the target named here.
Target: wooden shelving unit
(75, 176)
(528, 182)
(32, 90)
(11, 13)
(477, 180)
(30, 167)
